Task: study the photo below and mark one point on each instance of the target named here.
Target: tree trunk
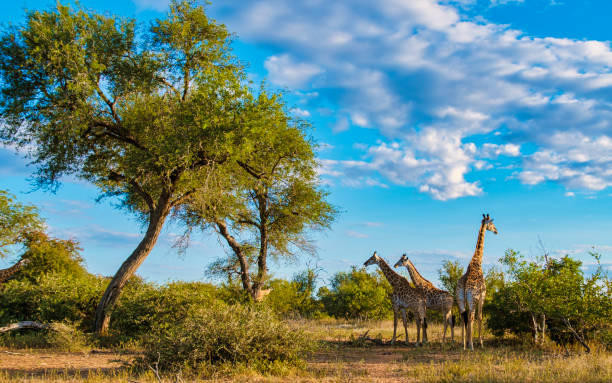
(130, 265)
(262, 202)
(244, 265)
(261, 260)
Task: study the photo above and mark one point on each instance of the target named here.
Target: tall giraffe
(7, 273)
(435, 299)
(404, 296)
(471, 288)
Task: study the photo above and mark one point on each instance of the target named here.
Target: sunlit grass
(340, 360)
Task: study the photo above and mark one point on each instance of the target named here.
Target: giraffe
(7, 273)
(404, 297)
(471, 289)
(435, 298)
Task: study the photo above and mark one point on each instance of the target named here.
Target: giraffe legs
(462, 312)
(470, 314)
(480, 304)
(405, 322)
(448, 320)
(395, 309)
(417, 319)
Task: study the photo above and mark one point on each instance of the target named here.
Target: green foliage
(16, 221)
(295, 298)
(449, 275)
(217, 335)
(146, 305)
(59, 336)
(268, 201)
(52, 298)
(357, 294)
(576, 307)
(48, 255)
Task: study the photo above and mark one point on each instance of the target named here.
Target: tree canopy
(145, 114)
(270, 198)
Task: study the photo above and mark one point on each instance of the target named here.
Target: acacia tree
(268, 200)
(145, 114)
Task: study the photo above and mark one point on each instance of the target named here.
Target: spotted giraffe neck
(394, 278)
(477, 258)
(417, 278)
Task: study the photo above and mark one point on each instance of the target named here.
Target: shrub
(215, 335)
(52, 298)
(357, 295)
(59, 336)
(576, 308)
(295, 298)
(144, 305)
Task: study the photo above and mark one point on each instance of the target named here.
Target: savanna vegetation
(162, 119)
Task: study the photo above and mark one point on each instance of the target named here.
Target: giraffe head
(403, 261)
(372, 260)
(488, 222)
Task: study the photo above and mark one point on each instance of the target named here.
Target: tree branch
(250, 169)
(114, 176)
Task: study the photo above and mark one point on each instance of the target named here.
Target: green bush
(294, 298)
(52, 298)
(143, 305)
(213, 336)
(576, 307)
(59, 336)
(357, 295)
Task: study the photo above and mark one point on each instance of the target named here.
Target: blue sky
(429, 113)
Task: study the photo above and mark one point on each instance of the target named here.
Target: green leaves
(558, 289)
(139, 113)
(16, 222)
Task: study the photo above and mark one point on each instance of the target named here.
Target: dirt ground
(44, 362)
(342, 358)
(374, 362)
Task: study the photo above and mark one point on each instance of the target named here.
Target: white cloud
(494, 150)
(431, 80)
(300, 112)
(285, 71)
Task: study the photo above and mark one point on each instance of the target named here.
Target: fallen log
(24, 325)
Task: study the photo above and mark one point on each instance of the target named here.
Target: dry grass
(343, 360)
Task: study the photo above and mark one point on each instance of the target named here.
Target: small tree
(449, 275)
(145, 117)
(268, 200)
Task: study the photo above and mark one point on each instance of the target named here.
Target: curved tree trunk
(244, 265)
(129, 266)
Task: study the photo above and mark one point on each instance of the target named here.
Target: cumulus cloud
(284, 71)
(449, 94)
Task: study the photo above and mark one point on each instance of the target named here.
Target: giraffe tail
(452, 320)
